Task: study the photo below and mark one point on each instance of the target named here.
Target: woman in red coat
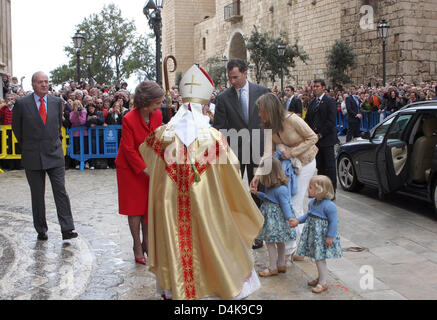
(132, 179)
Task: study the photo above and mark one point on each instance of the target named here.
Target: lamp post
(281, 53)
(383, 33)
(79, 41)
(225, 63)
(89, 61)
(152, 11)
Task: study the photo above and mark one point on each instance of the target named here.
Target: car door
(366, 158)
(392, 155)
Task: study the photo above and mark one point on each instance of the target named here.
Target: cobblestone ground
(99, 264)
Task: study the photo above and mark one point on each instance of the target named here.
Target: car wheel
(347, 174)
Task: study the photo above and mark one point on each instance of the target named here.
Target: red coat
(133, 183)
(6, 116)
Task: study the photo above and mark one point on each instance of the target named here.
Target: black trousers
(326, 164)
(37, 183)
(353, 130)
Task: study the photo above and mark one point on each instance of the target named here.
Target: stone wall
(5, 37)
(197, 31)
(411, 44)
(296, 18)
(179, 18)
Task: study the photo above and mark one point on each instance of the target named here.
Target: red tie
(43, 111)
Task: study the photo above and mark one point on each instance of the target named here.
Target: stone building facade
(5, 38)
(195, 30)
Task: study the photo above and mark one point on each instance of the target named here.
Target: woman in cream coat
(296, 140)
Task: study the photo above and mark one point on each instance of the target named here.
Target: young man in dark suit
(236, 109)
(353, 115)
(37, 122)
(293, 103)
(321, 117)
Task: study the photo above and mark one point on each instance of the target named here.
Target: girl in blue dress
(278, 213)
(320, 239)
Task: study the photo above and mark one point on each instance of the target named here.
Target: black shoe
(69, 235)
(42, 236)
(257, 244)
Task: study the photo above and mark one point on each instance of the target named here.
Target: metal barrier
(98, 143)
(368, 122)
(9, 145)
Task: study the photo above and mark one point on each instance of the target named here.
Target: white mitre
(196, 88)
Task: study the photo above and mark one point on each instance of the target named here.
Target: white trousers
(303, 182)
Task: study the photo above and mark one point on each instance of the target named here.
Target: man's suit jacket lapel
(252, 100)
(52, 113)
(33, 109)
(236, 103)
(312, 106)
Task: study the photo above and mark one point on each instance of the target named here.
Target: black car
(399, 154)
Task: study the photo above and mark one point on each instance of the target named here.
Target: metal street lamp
(281, 53)
(225, 63)
(152, 11)
(89, 61)
(79, 41)
(383, 34)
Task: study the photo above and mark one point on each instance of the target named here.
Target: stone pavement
(99, 264)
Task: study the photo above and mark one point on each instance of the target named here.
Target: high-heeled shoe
(140, 260)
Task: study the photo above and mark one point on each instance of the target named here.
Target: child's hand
(254, 190)
(286, 154)
(293, 222)
(328, 242)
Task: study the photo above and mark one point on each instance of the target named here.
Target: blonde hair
(276, 177)
(271, 106)
(77, 102)
(323, 186)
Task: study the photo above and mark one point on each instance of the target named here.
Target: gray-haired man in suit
(236, 109)
(37, 122)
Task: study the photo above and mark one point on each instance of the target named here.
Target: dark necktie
(43, 111)
(316, 107)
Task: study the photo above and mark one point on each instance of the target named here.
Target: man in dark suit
(37, 122)
(321, 117)
(236, 110)
(353, 115)
(293, 103)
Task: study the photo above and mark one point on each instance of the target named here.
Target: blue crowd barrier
(99, 143)
(368, 122)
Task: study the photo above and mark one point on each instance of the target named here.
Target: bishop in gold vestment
(202, 219)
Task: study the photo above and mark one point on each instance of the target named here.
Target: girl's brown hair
(276, 177)
(270, 105)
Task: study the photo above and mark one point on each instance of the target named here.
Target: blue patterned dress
(276, 227)
(315, 232)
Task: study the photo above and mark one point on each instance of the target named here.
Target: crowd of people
(374, 97)
(103, 105)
